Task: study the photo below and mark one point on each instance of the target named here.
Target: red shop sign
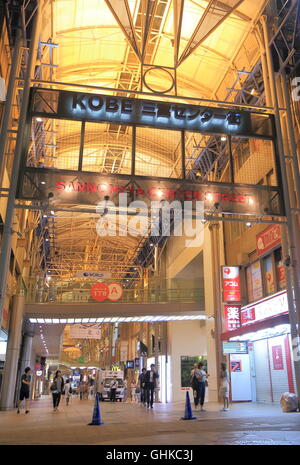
(231, 284)
(268, 239)
(232, 317)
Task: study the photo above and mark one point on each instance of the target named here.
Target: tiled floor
(134, 424)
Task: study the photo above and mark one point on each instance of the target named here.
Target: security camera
(50, 195)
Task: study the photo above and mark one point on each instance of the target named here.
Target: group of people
(199, 383)
(59, 387)
(143, 390)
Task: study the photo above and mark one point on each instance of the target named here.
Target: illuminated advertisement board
(231, 284)
(83, 106)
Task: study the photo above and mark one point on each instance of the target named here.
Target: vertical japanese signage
(232, 317)
(231, 284)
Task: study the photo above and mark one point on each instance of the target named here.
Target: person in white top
(224, 387)
(68, 391)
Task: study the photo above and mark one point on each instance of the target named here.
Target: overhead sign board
(89, 189)
(131, 111)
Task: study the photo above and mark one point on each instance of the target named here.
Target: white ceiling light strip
(148, 318)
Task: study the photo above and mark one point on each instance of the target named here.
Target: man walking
(142, 382)
(25, 390)
(151, 377)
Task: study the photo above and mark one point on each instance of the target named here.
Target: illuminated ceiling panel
(102, 43)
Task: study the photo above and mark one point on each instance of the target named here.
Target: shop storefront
(266, 370)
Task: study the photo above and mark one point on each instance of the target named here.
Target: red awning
(252, 328)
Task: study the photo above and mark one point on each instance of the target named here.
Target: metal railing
(157, 291)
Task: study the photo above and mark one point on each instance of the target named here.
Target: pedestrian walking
(195, 384)
(224, 387)
(85, 391)
(57, 389)
(142, 383)
(81, 390)
(203, 385)
(125, 390)
(68, 391)
(151, 377)
(133, 387)
(25, 390)
(113, 389)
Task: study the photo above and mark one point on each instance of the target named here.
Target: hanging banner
(85, 331)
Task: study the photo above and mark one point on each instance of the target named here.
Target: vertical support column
(293, 241)
(156, 353)
(264, 68)
(212, 307)
(290, 127)
(12, 354)
(231, 161)
(133, 151)
(27, 349)
(7, 230)
(82, 132)
(183, 174)
(9, 101)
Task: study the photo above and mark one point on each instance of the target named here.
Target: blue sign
(235, 348)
